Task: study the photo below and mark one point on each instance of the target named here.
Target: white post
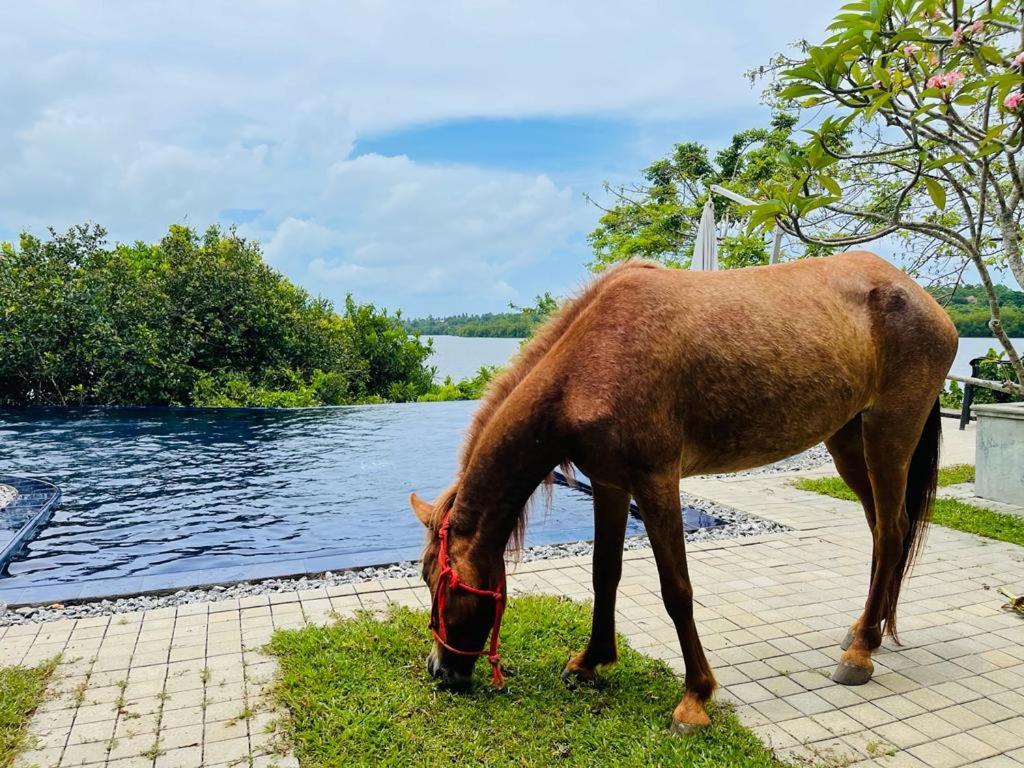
(736, 197)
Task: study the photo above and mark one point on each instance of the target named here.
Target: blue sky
(425, 156)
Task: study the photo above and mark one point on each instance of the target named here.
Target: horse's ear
(422, 509)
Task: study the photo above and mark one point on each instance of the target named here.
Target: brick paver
(178, 688)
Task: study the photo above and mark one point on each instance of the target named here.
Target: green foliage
(967, 306)
(951, 513)
(923, 103)
(952, 396)
(974, 320)
(990, 369)
(190, 320)
(467, 389)
(657, 219)
(21, 692)
(359, 695)
(509, 325)
(519, 324)
(974, 296)
(388, 362)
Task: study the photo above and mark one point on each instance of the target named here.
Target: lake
(460, 357)
(976, 347)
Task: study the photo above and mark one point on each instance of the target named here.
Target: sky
(431, 157)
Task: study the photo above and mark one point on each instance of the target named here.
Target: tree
(195, 319)
(922, 139)
(657, 218)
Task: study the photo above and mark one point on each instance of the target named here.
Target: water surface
(461, 356)
(152, 492)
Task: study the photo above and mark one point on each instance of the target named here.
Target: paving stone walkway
(180, 688)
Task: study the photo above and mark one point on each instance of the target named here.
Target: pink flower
(976, 27)
(958, 36)
(1018, 60)
(1013, 101)
(877, 85)
(945, 80)
(911, 49)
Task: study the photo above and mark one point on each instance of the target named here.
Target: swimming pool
(155, 498)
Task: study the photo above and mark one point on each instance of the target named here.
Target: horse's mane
(520, 366)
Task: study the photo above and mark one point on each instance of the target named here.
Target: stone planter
(999, 463)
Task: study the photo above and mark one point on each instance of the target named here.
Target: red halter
(448, 578)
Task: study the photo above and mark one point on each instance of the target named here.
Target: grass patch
(984, 522)
(956, 474)
(21, 691)
(950, 513)
(359, 694)
(826, 486)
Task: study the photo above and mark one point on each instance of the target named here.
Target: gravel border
(812, 458)
(737, 525)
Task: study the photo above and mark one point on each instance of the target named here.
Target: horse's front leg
(658, 498)
(611, 511)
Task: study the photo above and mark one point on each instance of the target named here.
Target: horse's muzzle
(447, 678)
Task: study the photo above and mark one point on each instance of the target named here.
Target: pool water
(155, 498)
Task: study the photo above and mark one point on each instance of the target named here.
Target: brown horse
(653, 374)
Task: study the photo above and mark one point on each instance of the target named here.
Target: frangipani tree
(657, 217)
(917, 134)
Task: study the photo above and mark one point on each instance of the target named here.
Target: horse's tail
(922, 479)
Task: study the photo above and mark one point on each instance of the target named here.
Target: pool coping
(169, 582)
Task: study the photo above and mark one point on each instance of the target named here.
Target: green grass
(950, 513)
(359, 694)
(21, 691)
(956, 474)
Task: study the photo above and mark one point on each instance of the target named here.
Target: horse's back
(753, 364)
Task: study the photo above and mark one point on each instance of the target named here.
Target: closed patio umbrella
(705, 248)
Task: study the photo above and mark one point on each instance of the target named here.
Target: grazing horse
(653, 374)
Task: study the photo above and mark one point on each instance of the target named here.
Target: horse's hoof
(685, 729)
(574, 674)
(851, 674)
(848, 640)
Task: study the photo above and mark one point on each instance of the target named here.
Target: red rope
(448, 580)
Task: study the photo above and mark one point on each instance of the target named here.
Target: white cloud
(137, 115)
(460, 235)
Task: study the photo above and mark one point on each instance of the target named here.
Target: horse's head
(467, 596)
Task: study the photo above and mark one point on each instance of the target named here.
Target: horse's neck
(513, 455)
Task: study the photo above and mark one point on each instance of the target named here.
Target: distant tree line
(518, 324)
(968, 308)
(966, 304)
(509, 325)
(194, 319)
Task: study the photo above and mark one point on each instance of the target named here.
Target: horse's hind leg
(658, 498)
(900, 443)
(847, 449)
(611, 511)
